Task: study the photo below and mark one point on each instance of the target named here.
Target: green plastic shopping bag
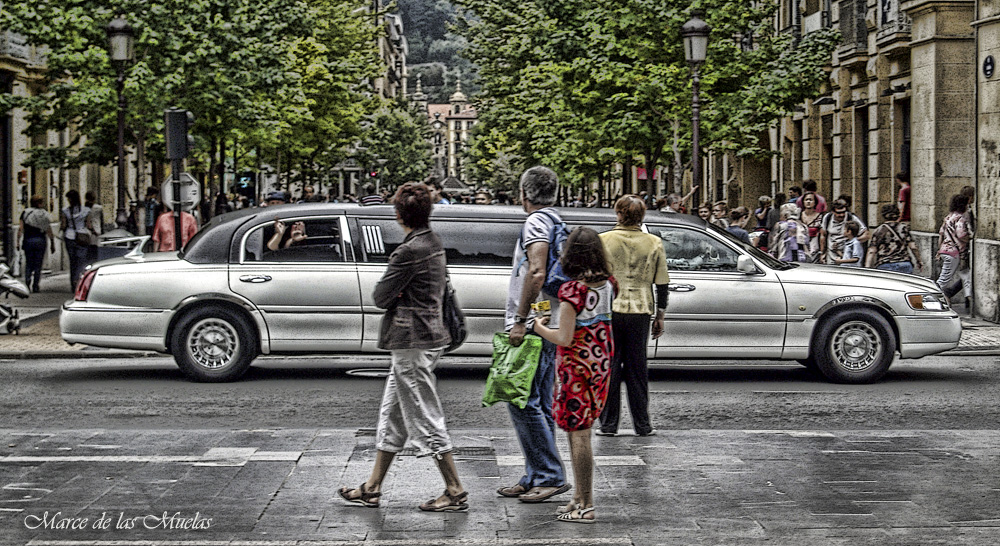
(513, 370)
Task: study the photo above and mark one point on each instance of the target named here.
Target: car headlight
(928, 302)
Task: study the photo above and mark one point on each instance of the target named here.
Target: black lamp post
(695, 33)
(122, 42)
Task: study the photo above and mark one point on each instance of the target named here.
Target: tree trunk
(140, 164)
(678, 161)
(652, 158)
(222, 165)
(627, 176)
(213, 147)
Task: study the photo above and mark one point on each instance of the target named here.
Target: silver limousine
(236, 292)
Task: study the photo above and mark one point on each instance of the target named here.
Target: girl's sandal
(456, 503)
(366, 498)
(572, 505)
(577, 516)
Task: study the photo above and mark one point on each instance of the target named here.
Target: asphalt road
(932, 393)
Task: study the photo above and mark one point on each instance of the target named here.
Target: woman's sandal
(457, 503)
(577, 516)
(364, 500)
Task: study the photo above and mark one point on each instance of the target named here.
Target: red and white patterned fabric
(584, 368)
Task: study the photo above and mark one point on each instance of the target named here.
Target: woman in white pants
(411, 291)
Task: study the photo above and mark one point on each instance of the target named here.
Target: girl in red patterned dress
(585, 347)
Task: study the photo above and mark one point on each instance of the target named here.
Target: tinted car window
(322, 242)
(690, 250)
(488, 243)
(463, 242)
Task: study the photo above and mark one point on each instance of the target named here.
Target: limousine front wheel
(213, 344)
(855, 346)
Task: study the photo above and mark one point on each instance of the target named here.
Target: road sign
(190, 192)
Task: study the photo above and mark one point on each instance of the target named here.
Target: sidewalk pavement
(273, 487)
(39, 337)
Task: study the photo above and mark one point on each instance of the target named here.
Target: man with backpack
(542, 234)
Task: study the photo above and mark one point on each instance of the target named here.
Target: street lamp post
(695, 33)
(122, 42)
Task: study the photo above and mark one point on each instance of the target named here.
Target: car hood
(145, 258)
(856, 276)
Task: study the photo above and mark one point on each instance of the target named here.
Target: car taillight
(83, 287)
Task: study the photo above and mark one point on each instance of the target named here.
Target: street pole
(122, 216)
(121, 41)
(695, 33)
(695, 135)
(176, 166)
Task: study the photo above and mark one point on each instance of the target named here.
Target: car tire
(213, 344)
(855, 346)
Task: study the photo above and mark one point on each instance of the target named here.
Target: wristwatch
(518, 319)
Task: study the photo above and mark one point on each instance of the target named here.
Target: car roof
(212, 243)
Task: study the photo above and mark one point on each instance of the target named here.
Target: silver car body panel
(321, 307)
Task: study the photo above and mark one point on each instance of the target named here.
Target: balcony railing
(899, 25)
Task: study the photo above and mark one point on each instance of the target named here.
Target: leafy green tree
(267, 73)
(579, 83)
(398, 135)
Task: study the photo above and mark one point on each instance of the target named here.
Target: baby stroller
(9, 318)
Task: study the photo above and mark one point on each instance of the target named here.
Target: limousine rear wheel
(855, 346)
(213, 344)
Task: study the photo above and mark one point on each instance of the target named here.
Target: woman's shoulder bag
(454, 319)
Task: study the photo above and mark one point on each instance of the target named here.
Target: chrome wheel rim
(856, 346)
(213, 343)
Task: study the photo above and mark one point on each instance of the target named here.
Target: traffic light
(177, 123)
(373, 174)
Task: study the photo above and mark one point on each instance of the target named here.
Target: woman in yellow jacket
(638, 262)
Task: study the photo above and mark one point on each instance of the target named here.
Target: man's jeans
(536, 430)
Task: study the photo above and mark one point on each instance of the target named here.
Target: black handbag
(453, 318)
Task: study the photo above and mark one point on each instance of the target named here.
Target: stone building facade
(986, 249)
(21, 70)
(907, 92)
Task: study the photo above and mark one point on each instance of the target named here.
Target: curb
(31, 321)
(972, 351)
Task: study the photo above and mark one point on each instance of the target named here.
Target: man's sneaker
(600, 432)
(652, 432)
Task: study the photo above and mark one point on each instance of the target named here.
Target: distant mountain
(434, 50)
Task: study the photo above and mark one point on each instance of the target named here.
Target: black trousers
(631, 333)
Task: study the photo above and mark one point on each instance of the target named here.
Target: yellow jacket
(637, 261)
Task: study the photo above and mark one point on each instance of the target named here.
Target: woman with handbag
(412, 292)
(954, 236)
(36, 226)
(77, 237)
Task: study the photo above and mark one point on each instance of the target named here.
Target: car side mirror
(744, 264)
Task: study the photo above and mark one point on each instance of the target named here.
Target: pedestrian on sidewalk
(164, 239)
(95, 221)
(412, 291)
(954, 236)
(75, 219)
(640, 262)
(586, 347)
(891, 247)
(36, 226)
(534, 425)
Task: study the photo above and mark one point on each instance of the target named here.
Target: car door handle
(255, 278)
(680, 287)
